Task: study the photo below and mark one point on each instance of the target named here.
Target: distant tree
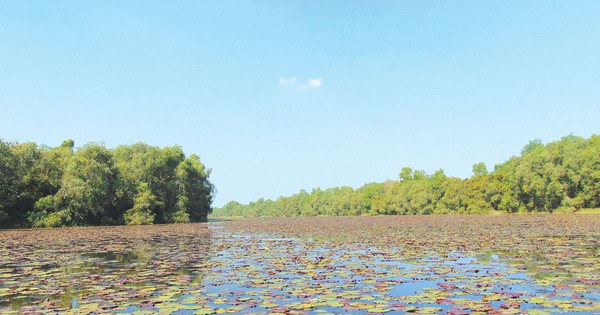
(480, 169)
(406, 174)
(68, 144)
(563, 175)
(420, 175)
(531, 146)
(453, 199)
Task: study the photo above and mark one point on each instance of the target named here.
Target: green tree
(8, 184)
(561, 175)
(87, 189)
(480, 169)
(141, 213)
(30, 181)
(406, 174)
(195, 191)
(531, 146)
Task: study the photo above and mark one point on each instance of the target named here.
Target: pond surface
(351, 265)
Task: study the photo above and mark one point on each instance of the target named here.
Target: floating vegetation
(98, 269)
(533, 264)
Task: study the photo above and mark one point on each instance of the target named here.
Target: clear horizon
(279, 97)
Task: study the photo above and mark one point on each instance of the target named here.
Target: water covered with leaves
(534, 264)
(83, 270)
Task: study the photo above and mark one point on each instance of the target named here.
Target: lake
(450, 264)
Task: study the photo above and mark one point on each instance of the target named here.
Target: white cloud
(292, 82)
(288, 82)
(314, 83)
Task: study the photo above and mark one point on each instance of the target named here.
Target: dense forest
(93, 185)
(560, 176)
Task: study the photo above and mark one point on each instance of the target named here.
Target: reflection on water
(61, 269)
(109, 258)
(259, 272)
(189, 269)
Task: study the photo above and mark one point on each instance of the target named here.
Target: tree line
(94, 185)
(561, 176)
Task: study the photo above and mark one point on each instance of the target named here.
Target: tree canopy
(560, 176)
(94, 185)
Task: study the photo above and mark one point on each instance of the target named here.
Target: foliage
(93, 185)
(561, 176)
(141, 213)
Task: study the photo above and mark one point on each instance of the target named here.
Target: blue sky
(278, 96)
